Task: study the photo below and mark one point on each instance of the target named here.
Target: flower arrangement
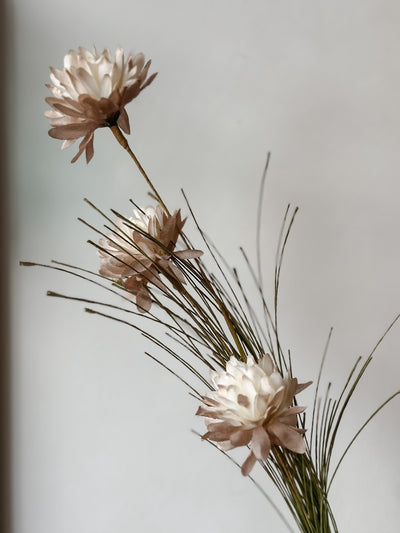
(242, 376)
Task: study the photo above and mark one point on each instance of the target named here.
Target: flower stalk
(124, 143)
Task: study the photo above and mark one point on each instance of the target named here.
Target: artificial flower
(140, 249)
(252, 405)
(91, 92)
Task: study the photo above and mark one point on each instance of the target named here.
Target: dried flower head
(252, 403)
(91, 92)
(140, 249)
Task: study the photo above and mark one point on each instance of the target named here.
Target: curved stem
(124, 143)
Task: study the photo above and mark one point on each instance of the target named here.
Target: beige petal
(219, 431)
(261, 402)
(69, 132)
(301, 386)
(221, 426)
(89, 149)
(225, 446)
(134, 283)
(152, 276)
(62, 120)
(66, 144)
(71, 112)
(295, 410)
(123, 121)
(98, 110)
(286, 436)
(149, 80)
(260, 443)
(289, 420)
(52, 114)
(85, 141)
(243, 400)
(188, 254)
(241, 437)
(210, 401)
(290, 391)
(143, 300)
(267, 364)
(204, 411)
(131, 93)
(177, 273)
(249, 463)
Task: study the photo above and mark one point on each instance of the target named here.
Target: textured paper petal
(68, 132)
(131, 92)
(89, 149)
(134, 283)
(241, 437)
(204, 411)
(149, 80)
(301, 386)
(248, 465)
(188, 254)
(177, 273)
(143, 300)
(287, 437)
(260, 443)
(267, 364)
(225, 446)
(67, 110)
(66, 144)
(123, 121)
(82, 147)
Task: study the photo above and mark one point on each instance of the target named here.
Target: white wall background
(102, 437)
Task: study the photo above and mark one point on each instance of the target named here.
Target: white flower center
(246, 391)
(96, 75)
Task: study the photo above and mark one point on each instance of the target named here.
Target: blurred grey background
(101, 435)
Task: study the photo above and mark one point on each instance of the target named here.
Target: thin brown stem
(124, 143)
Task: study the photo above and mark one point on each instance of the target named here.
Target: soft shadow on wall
(5, 448)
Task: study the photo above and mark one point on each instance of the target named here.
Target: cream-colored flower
(91, 92)
(252, 404)
(140, 250)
